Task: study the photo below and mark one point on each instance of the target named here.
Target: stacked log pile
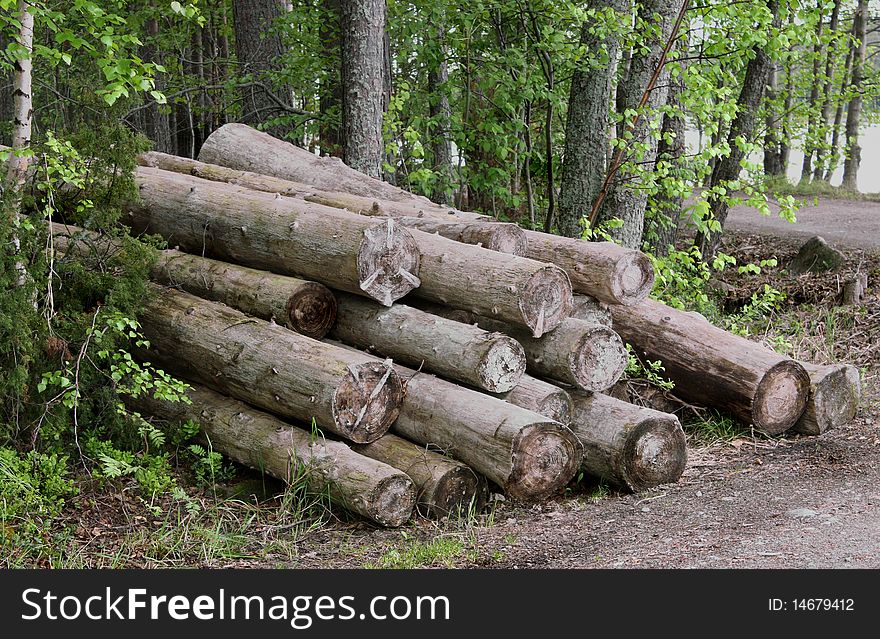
(408, 354)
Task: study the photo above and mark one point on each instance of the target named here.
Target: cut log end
(546, 457)
(503, 365)
(632, 279)
(600, 359)
(503, 238)
(393, 501)
(655, 453)
(388, 262)
(367, 401)
(458, 492)
(834, 399)
(558, 407)
(781, 398)
(311, 310)
(546, 300)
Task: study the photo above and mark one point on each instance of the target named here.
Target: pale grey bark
(827, 81)
(854, 110)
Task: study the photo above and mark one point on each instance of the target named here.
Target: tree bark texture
(715, 368)
(854, 110)
(365, 486)
(541, 397)
(827, 81)
(591, 310)
(835, 393)
(375, 258)
(634, 447)
(295, 377)
(464, 353)
(363, 76)
(444, 486)
(585, 160)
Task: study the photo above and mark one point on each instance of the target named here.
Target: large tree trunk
(854, 110)
(742, 128)
(588, 355)
(261, 441)
(363, 74)
(634, 447)
(259, 49)
(497, 236)
(443, 486)
(625, 201)
(810, 142)
(715, 368)
(835, 392)
(517, 290)
(827, 81)
(604, 270)
(585, 161)
(375, 258)
(306, 307)
(773, 165)
(295, 377)
(490, 361)
(541, 397)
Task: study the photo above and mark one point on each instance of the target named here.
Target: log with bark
(443, 486)
(261, 441)
(376, 258)
(528, 455)
(631, 446)
(467, 354)
(588, 355)
(592, 310)
(715, 368)
(541, 397)
(270, 367)
(306, 307)
(835, 392)
(497, 236)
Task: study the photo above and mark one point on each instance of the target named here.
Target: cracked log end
(311, 310)
(835, 392)
(546, 300)
(393, 500)
(388, 262)
(458, 492)
(599, 360)
(367, 401)
(503, 365)
(546, 456)
(655, 453)
(632, 278)
(781, 398)
(557, 406)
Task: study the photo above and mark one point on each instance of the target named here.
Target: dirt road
(840, 222)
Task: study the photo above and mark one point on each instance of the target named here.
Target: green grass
(442, 551)
(716, 428)
(782, 186)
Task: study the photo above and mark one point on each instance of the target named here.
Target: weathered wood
(715, 368)
(528, 455)
(306, 307)
(592, 310)
(835, 392)
(588, 355)
(263, 442)
(375, 258)
(541, 397)
(443, 486)
(295, 377)
(516, 290)
(490, 361)
(604, 270)
(633, 447)
(496, 236)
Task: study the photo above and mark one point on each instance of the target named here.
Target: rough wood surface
(835, 393)
(516, 290)
(633, 447)
(604, 270)
(495, 236)
(528, 455)
(541, 397)
(261, 441)
(376, 258)
(306, 307)
(715, 368)
(295, 377)
(592, 310)
(443, 486)
(467, 354)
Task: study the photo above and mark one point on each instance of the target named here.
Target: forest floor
(744, 500)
